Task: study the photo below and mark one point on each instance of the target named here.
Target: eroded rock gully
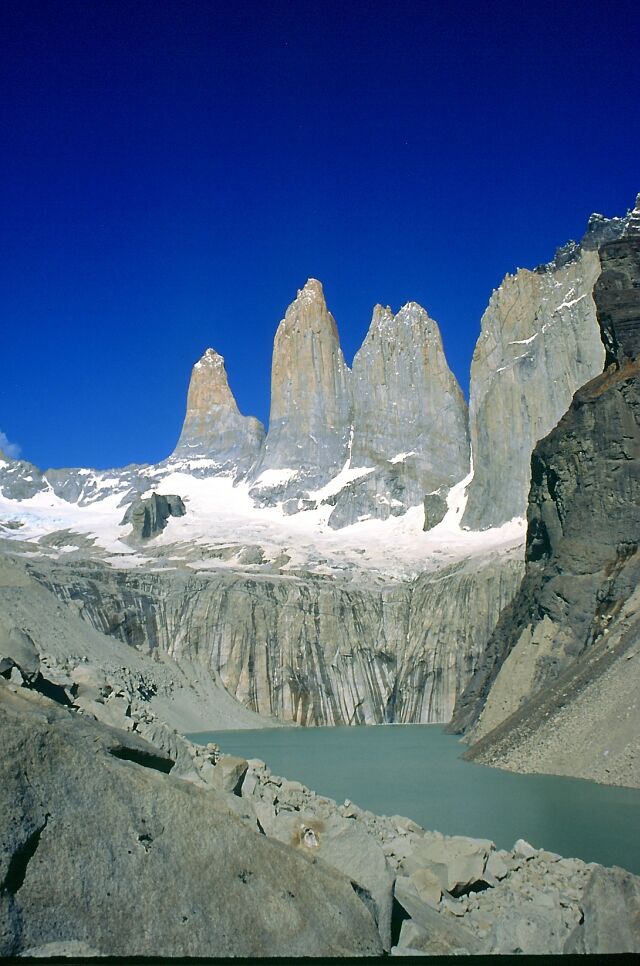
(308, 650)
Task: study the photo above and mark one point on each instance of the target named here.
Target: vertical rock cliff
(310, 419)
(539, 342)
(316, 650)
(409, 417)
(572, 630)
(214, 427)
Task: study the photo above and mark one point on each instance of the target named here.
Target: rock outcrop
(409, 414)
(386, 881)
(309, 424)
(213, 427)
(156, 866)
(148, 517)
(571, 632)
(539, 342)
(617, 293)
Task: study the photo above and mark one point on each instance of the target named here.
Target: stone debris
(460, 894)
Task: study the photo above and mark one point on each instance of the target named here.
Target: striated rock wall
(312, 651)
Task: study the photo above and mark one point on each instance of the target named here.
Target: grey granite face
(617, 293)
(19, 480)
(399, 412)
(539, 342)
(406, 400)
(310, 419)
(571, 629)
(214, 427)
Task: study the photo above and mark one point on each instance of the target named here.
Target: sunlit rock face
(539, 342)
(557, 685)
(409, 416)
(316, 650)
(214, 427)
(310, 419)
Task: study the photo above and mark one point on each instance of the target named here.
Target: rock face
(310, 420)
(156, 866)
(19, 480)
(213, 427)
(539, 342)
(570, 632)
(312, 650)
(408, 409)
(617, 292)
(149, 517)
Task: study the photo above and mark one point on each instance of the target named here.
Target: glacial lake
(417, 771)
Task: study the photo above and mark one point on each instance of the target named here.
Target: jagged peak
(311, 291)
(633, 220)
(210, 358)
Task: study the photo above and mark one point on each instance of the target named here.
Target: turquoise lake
(417, 771)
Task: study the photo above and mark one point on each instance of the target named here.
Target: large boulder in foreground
(99, 846)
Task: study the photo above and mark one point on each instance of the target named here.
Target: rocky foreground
(135, 841)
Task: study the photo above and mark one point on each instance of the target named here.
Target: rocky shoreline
(399, 887)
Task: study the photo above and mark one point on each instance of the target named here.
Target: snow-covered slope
(225, 528)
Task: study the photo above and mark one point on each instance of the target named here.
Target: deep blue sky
(171, 173)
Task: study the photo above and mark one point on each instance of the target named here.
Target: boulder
(611, 907)
(344, 845)
(99, 846)
(229, 773)
(17, 649)
(436, 935)
(456, 862)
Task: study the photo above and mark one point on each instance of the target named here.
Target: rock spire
(310, 419)
(214, 427)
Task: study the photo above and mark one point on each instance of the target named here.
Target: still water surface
(417, 771)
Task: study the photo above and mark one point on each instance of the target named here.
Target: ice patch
(269, 478)
(401, 457)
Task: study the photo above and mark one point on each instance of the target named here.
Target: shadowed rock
(149, 517)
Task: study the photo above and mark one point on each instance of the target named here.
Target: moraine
(416, 770)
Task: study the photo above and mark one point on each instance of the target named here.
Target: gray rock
(611, 907)
(17, 649)
(157, 866)
(539, 343)
(407, 404)
(421, 888)
(213, 426)
(19, 480)
(437, 935)
(435, 508)
(229, 773)
(332, 653)
(310, 419)
(456, 862)
(571, 626)
(149, 517)
(617, 293)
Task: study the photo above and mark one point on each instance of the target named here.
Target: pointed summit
(406, 400)
(214, 426)
(310, 400)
